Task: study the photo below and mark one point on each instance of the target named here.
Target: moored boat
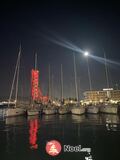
(78, 110)
(92, 109)
(63, 110)
(15, 109)
(109, 108)
(9, 112)
(49, 111)
(32, 112)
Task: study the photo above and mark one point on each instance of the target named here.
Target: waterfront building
(101, 96)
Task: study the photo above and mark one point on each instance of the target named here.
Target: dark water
(24, 138)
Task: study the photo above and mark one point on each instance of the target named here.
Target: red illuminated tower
(34, 84)
(36, 93)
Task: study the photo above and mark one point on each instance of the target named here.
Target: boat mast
(16, 94)
(16, 72)
(89, 75)
(75, 74)
(106, 70)
(49, 87)
(52, 88)
(61, 83)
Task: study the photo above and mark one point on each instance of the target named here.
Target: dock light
(86, 54)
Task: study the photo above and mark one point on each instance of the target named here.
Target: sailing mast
(16, 95)
(89, 76)
(14, 77)
(75, 74)
(49, 86)
(106, 70)
(61, 83)
(52, 87)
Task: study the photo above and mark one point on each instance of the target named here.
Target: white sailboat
(62, 109)
(49, 109)
(92, 109)
(108, 107)
(15, 110)
(77, 109)
(32, 112)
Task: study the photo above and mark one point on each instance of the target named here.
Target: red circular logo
(53, 147)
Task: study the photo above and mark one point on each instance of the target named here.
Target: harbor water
(25, 138)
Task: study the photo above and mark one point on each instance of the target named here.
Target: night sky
(89, 26)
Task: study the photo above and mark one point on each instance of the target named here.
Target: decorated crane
(36, 93)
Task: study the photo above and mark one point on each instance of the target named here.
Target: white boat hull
(109, 109)
(92, 109)
(32, 112)
(63, 111)
(78, 111)
(14, 112)
(49, 111)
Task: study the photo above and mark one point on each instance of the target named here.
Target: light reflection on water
(33, 129)
(24, 138)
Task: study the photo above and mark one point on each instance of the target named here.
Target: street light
(86, 54)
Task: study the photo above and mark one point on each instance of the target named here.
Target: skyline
(37, 26)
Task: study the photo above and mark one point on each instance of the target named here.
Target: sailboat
(35, 73)
(91, 108)
(77, 109)
(14, 109)
(62, 109)
(49, 108)
(108, 107)
(32, 111)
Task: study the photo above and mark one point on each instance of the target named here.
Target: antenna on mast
(35, 61)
